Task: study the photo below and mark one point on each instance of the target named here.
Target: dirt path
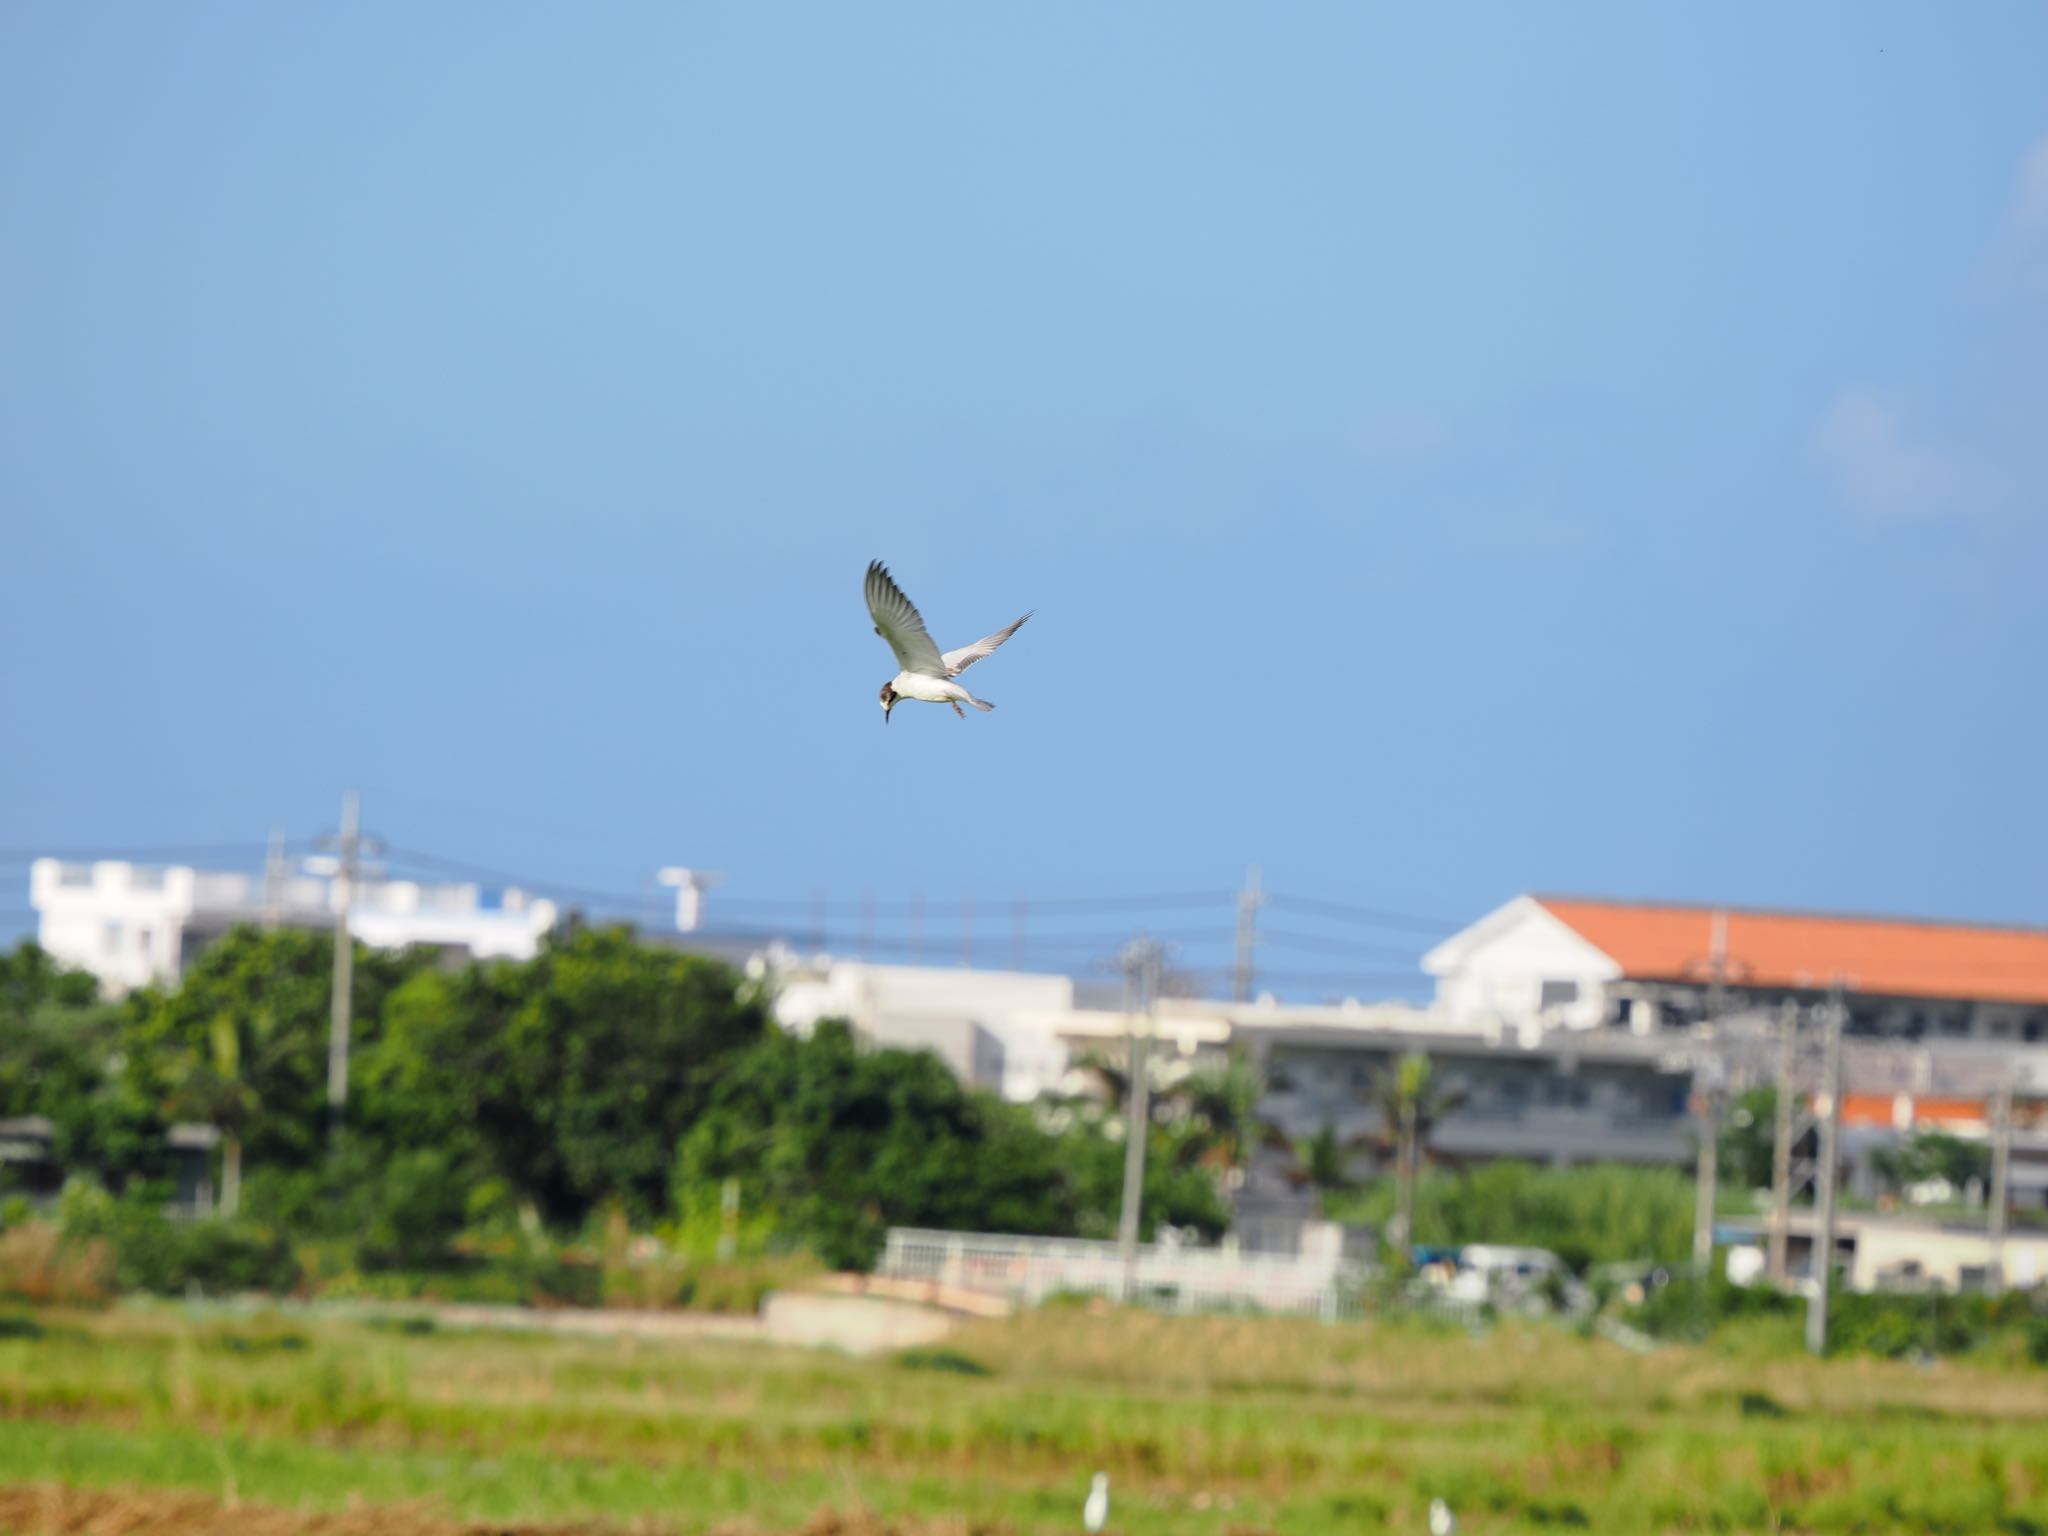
(53, 1509)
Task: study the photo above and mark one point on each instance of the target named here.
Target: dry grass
(38, 1267)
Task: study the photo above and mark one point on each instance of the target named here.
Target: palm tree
(1111, 1078)
(1411, 1102)
(1323, 1161)
(213, 1088)
(1219, 1106)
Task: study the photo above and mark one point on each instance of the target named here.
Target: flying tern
(927, 673)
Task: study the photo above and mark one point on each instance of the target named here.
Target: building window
(1555, 994)
(112, 938)
(1567, 1092)
(74, 875)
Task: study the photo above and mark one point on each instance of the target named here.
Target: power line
(465, 870)
(1367, 915)
(811, 904)
(134, 855)
(1321, 945)
(1035, 905)
(1313, 978)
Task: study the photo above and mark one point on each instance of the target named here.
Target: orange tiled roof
(1890, 956)
(1929, 1110)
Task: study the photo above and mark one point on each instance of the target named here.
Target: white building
(1020, 1032)
(1549, 962)
(133, 924)
(992, 1027)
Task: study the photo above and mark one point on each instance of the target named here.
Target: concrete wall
(1891, 1256)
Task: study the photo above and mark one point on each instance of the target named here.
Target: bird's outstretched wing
(897, 622)
(959, 661)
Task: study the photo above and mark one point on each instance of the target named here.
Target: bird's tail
(981, 704)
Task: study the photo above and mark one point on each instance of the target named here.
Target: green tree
(60, 1049)
(241, 1042)
(1928, 1155)
(1747, 1136)
(573, 1076)
(1598, 1213)
(1411, 1101)
(33, 981)
(840, 1143)
(1110, 1076)
(1218, 1123)
(1323, 1161)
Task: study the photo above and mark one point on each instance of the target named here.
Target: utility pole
(1706, 1167)
(2001, 1158)
(348, 856)
(1830, 1141)
(1781, 1141)
(1141, 987)
(1249, 900)
(1706, 1081)
(273, 882)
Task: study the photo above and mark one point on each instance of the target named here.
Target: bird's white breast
(931, 690)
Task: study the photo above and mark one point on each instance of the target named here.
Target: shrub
(1889, 1325)
(222, 1256)
(40, 1266)
(2037, 1339)
(743, 1287)
(150, 1252)
(948, 1361)
(409, 1209)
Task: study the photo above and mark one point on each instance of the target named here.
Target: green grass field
(1205, 1425)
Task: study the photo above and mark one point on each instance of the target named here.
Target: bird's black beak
(885, 711)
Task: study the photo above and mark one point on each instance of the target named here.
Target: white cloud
(1884, 473)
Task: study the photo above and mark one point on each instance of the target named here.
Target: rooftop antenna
(690, 885)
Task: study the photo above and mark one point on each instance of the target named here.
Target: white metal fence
(1029, 1270)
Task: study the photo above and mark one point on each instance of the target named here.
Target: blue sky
(1451, 452)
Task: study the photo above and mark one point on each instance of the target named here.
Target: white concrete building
(133, 924)
(1020, 1032)
(1550, 962)
(994, 1028)
(1884, 1252)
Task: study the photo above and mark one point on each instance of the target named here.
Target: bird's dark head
(889, 698)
